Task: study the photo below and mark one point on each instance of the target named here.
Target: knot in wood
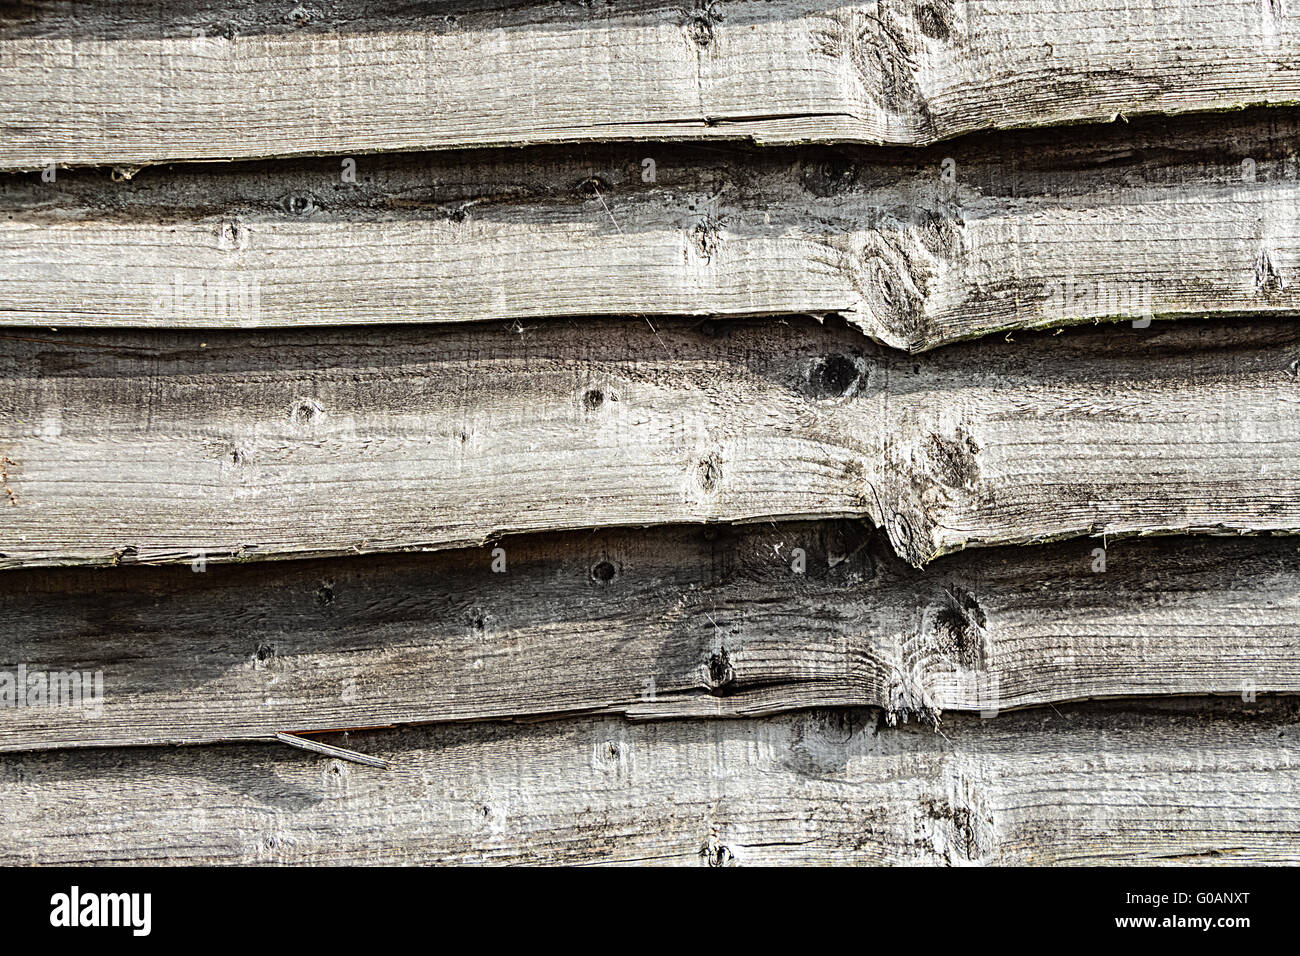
(957, 626)
(883, 53)
(829, 177)
(706, 235)
(952, 460)
(836, 376)
(700, 22)
(709, 474)
(716, 853)
(721, 673)
(891, 280)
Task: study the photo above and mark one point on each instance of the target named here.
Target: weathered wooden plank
(171, 446)
(917, 249)
(126, 83)
(681, 622)
(1097, 784)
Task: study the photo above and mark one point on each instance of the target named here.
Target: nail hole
(592, 186)
(299, 204)
(603, 572)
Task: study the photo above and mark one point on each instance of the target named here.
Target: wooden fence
(741, 432)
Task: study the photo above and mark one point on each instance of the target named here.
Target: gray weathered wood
(1216, 783)
(128, 83)
(680, 622)
(123, 447)
(1033, 229)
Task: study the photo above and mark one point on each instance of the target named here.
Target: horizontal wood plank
(917, 248)
(115, 83)
(123, 447)
(679, 622)
(1151, 784)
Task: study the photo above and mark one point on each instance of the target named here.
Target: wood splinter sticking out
(315, 746)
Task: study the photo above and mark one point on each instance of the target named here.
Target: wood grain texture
(916, 248)
(125, 447)
(675, 623)
(129, 83)
(1216, 783)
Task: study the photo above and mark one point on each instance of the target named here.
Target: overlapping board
(672, 623)
(126, 446)
(916, 248)
(91, 82)
(1209, 781)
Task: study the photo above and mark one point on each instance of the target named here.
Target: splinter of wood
(316, 746)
